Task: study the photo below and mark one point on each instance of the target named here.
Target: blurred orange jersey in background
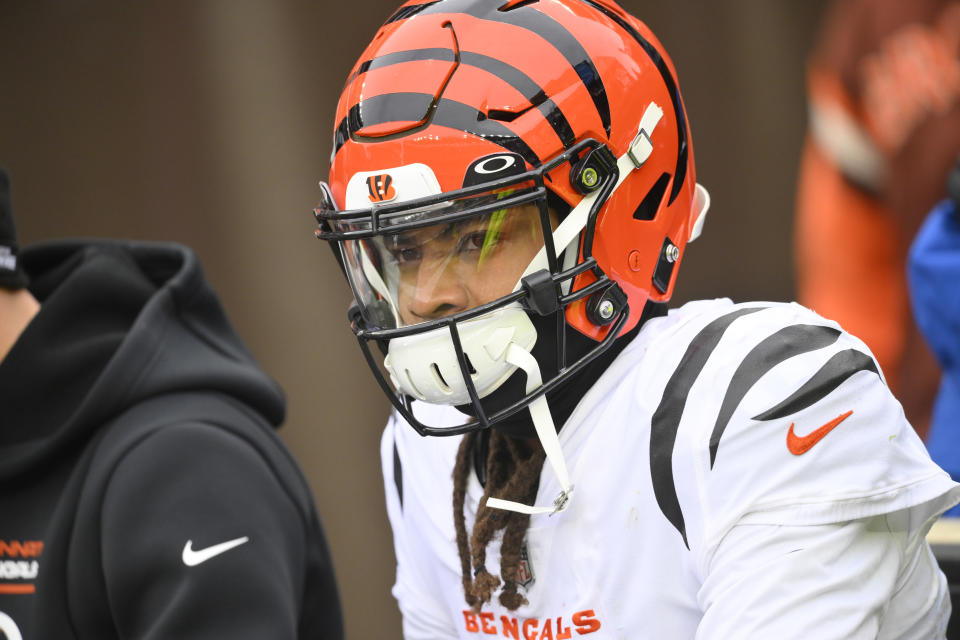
(884, 129)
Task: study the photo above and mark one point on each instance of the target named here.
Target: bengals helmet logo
(381, 188)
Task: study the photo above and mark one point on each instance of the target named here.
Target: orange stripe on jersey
(17, 589)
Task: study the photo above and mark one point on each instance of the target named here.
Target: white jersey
(739, 471)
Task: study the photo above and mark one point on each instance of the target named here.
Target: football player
(512, 189)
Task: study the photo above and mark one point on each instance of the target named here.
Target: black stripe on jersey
(831, 375)
(516, 78)
(406, 12)
(397, 472)
(668, 80)
(393, 107)
(547, 28)
(784, 344)
(666, 419)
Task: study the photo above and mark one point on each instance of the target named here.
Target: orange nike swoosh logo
(800, 445)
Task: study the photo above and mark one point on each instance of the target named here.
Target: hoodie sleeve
(200, 539)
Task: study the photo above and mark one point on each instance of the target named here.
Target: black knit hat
(11, 275)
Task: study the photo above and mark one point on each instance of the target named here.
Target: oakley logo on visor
(380, 188)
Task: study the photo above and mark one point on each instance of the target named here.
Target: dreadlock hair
(513, 468)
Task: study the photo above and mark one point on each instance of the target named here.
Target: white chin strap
(570, 227)
(546, 431)
(568, 230)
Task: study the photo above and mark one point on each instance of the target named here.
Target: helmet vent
(651, 202)
(470, 367)
(510, 5)
(439, 378)
(507, 116)
(416, 390)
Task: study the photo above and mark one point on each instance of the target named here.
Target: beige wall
(209, 122)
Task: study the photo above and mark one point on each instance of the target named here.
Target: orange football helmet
(469, 126)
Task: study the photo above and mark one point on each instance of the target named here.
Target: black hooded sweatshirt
(143, 491)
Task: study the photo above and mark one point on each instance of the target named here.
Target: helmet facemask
(446, 283)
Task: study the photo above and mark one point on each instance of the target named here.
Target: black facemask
(565, 397)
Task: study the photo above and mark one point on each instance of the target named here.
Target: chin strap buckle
(641, 147)
(561, 502)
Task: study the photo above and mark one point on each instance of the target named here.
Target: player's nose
(438, 291)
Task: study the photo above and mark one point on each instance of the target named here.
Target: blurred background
(209, 122)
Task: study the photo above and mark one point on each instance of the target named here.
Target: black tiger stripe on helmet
(510, 74)
(392, 107)
(553, 32)
(544, 26)
(534, 21)
(671, 82)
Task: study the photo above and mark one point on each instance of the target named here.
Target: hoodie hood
(120, 322)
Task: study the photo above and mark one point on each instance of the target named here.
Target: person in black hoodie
(143, 491)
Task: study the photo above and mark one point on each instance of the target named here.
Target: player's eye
(406, 255)
(476, 240)
(405, 249)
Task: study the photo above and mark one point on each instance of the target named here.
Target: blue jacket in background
(934, 277)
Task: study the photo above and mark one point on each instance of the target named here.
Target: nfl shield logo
(525, 570)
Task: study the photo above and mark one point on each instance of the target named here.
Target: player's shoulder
(698, 346)
(713, 317)
(747, 366)
(717, 339)
(737, 367)
(774, 414)
(723, 331)
(783, 357)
